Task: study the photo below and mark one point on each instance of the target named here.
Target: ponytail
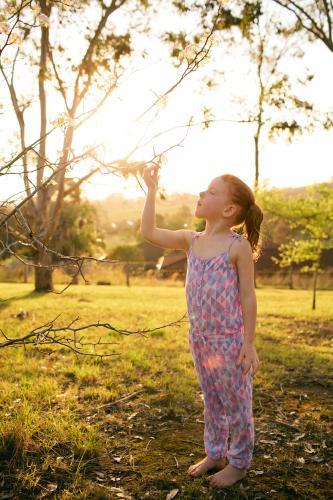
(250, 214)
(252, 223)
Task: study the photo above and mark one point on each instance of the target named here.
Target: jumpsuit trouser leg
(227, 397)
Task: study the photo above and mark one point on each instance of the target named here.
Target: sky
(225, 147)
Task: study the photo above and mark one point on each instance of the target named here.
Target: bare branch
(86, 154)
(308, 22)
(48, 333)
(59, 79)
(191, 67)
(22, 153)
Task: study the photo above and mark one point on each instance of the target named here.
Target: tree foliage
(311, 215)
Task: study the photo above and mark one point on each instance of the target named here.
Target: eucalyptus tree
(74, 53)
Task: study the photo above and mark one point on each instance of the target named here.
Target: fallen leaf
(257, 472)
(297, 438)
(172, 494)
(51, 487)
(242, 491)
(308, 448)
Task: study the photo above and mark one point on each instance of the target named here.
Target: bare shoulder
(188, 236)
(241, 250)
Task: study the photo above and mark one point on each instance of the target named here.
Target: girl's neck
(211, 230)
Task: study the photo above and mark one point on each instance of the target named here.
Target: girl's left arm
(245, 267)
(244, 260)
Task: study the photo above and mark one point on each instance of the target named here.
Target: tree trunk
(315, 276)
(75, 279)
(126, 269)
(256, 160)
(43, 276)
(259, 117)
(25, 273)
(291, 274)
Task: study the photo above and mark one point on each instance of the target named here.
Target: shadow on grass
(28, 296)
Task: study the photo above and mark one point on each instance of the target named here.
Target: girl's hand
(150, 176)
(248, 357)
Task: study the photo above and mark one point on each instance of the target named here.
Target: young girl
(222, 310)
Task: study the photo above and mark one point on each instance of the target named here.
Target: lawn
(69, 431)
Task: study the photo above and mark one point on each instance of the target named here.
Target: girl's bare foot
(206, 464)
(226, 477)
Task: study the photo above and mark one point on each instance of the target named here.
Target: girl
(222, 310)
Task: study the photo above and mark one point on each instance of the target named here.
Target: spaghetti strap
(234, 237)
(194, 234)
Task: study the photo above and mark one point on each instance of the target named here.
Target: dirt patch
(293, 455)
(310, 332)
(313, 332)
(150, 446)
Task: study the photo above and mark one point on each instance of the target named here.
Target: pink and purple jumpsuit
(216, 335)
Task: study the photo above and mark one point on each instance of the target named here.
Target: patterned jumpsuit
(216, 335)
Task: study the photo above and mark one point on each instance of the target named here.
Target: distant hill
(119, 217)
(117, 208)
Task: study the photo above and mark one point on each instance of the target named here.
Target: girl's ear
(230, 210)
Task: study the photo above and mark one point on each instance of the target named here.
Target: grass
(63, 435)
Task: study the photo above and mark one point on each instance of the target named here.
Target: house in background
(176, 262)
(151, 254)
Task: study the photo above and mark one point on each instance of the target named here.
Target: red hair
(250, 214)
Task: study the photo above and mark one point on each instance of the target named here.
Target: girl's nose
(201, 193)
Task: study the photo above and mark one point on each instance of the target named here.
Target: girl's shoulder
(195, 234)
(237, 236)
(190, 236)
(243, 244)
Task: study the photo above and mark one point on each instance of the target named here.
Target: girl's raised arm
(165, 238)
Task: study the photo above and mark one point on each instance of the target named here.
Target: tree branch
(48, 333)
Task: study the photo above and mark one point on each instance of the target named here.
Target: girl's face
(215, 202)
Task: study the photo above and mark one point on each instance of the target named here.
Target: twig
(124, 398)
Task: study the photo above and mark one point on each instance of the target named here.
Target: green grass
(57, 428)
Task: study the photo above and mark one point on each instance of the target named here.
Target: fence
(145, 273)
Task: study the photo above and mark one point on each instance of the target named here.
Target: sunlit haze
(225, 147)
